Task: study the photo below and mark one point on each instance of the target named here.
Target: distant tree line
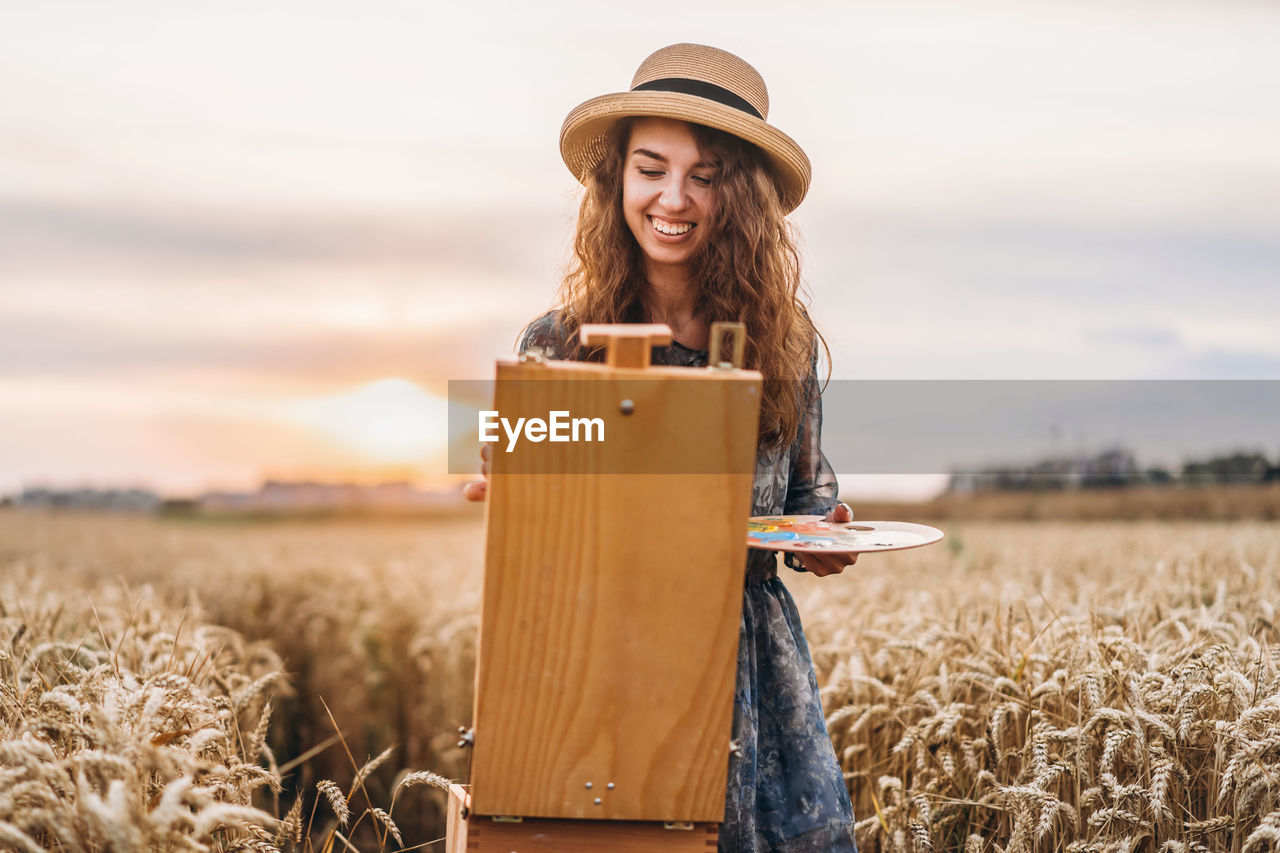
(119, 500)
(1234, 468)
(273, 497)
(1117, 468)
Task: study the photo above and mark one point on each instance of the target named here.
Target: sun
(388, 421)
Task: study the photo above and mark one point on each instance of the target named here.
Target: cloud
(1225, 363)
(34, 346)
(175, 451)
(157, 244)
(933, 426)
(1146, 337)
(1014, 252)
(30, 228)
(929, 296)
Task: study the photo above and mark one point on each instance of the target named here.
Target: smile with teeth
(672, 228)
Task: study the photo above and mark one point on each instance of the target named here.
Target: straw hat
(698, 84)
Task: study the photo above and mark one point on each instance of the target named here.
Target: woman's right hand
(823, 563)
(478, 490)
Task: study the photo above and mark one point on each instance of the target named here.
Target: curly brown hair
(749, 267)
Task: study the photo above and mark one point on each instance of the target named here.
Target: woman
(683, 223)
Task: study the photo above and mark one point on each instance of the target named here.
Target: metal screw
(627, 407)
(466, 737)
(588, 786)
(597, 801)
(609, 786)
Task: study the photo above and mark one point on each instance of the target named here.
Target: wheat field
(1023, 686)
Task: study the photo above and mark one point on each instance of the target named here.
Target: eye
(650, 173)
(706, 182)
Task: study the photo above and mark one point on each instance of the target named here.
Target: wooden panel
(479, 834)
(456, 824)
(628, 345)
(609, 627)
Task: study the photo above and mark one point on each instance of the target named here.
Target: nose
(673, 195)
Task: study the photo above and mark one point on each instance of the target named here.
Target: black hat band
(701, 89)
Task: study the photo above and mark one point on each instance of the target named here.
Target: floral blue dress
(785, 792)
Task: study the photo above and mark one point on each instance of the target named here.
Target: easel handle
(626, 344)
(738, 334)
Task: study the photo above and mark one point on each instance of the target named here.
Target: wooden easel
(612, 597)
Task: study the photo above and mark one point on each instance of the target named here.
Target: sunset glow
(389, 421)
(228, 258)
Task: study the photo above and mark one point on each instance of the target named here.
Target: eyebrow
(701, 164)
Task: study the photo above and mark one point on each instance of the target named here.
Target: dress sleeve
(811, 488)
(547, 334)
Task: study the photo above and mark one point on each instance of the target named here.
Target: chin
(671, 257)
(666, 255)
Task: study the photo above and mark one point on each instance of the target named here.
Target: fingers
(480, 490)
(828, 564)
(817, 564)
(840, 513)
(834, 567)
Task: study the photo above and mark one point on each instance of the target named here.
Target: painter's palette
(809, 534)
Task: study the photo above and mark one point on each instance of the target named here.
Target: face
(668, 190)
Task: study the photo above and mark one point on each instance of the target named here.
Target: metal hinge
(506, 818)
(677, 824)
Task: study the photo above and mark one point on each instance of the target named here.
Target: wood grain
(609, 624)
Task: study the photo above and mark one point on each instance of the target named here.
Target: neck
(668, 296)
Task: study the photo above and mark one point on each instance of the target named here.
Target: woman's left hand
(823, 564)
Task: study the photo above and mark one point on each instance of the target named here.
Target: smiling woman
(683, 222)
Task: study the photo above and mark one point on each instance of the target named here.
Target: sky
(241, 240)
